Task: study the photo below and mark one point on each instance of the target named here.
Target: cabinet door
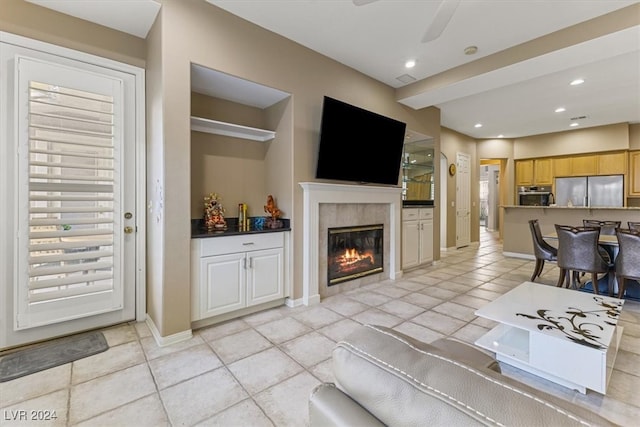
(222, 284)
(584, 165)
(543, 174)
(410, 244)
(524, 172)
(265, 276)
(634, 173)
(612, 163)
(562, 166)
(426, 241)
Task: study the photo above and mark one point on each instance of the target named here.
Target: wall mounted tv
(359, 145)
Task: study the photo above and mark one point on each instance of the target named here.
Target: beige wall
(634, 136)
(589, 140)
(155, 174)
(194, 31)
(28, 20)
(451, 143)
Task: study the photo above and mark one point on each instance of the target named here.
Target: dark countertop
(199, 231)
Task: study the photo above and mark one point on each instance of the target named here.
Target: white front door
(69, 160)
(463, 200)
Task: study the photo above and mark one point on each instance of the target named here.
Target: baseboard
(312, 300)
(169, 339)
(291, 303)
(518, 255)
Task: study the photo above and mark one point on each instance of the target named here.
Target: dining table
(609, 243)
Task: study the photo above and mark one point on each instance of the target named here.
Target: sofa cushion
(402, 381)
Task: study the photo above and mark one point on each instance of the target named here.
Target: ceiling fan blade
(362, 2)
(440, 20)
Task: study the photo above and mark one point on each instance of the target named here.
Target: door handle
(128, 230)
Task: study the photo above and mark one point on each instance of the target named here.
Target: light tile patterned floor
(259, 370)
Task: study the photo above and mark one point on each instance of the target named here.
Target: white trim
(138, 75)
(314, 194)
(169, 339)
(291, 303)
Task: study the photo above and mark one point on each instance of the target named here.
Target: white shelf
(229, 129)
(508, 341)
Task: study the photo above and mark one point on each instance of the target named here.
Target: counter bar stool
(628, 259)
(578, 252)
(634, 225)
(542, 250)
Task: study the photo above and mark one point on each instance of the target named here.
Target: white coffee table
(566, 336)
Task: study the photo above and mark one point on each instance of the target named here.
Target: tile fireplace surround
(339, 201)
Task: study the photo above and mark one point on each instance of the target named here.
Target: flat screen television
(359, 145)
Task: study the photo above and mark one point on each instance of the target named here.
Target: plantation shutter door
(69, 239)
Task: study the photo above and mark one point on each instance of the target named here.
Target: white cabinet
(417, 237)
(230, 273)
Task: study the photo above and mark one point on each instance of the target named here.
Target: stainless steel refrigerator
(593, 191)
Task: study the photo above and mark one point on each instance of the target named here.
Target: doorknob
(128, 230)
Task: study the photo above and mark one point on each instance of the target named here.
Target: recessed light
(560, 109)
(577, 82)
(574, 124)
(470, 50)
(501, 136)
(410, 63)
(478, 125)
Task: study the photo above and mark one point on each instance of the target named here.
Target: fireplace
(354, 252)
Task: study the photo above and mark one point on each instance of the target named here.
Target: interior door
(70, 146)
(463, 200)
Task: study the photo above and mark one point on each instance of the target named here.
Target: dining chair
(633, 225)
(606, 227)
(578, 252)
(542, 250)
(628, 260)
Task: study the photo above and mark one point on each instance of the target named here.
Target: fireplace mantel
(315, 194)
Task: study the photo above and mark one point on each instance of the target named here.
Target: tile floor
(260, 369)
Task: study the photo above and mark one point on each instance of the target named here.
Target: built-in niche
(240, 142)
(418, 180)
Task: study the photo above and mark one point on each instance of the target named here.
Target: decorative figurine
(275, 213)
(214, 213)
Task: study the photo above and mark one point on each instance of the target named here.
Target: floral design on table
(578, 324)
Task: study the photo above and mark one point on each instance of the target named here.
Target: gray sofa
(387, 378)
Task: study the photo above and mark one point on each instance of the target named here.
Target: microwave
(535, 196)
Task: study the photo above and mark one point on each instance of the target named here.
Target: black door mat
(51, 354)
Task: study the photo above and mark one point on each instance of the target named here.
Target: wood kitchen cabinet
(612, 163)
(524, 172)
(230, 273)
(543, 172)
(584, 165)
(634, 173)
(561, 166)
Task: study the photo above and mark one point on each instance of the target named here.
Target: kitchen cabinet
(584, 165)
(417, 237)
(612, 163)
(543, 173)
(561, 166)
(524, 172)
(634, 173)
(230, 273)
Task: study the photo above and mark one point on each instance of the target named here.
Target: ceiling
(514, 97)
